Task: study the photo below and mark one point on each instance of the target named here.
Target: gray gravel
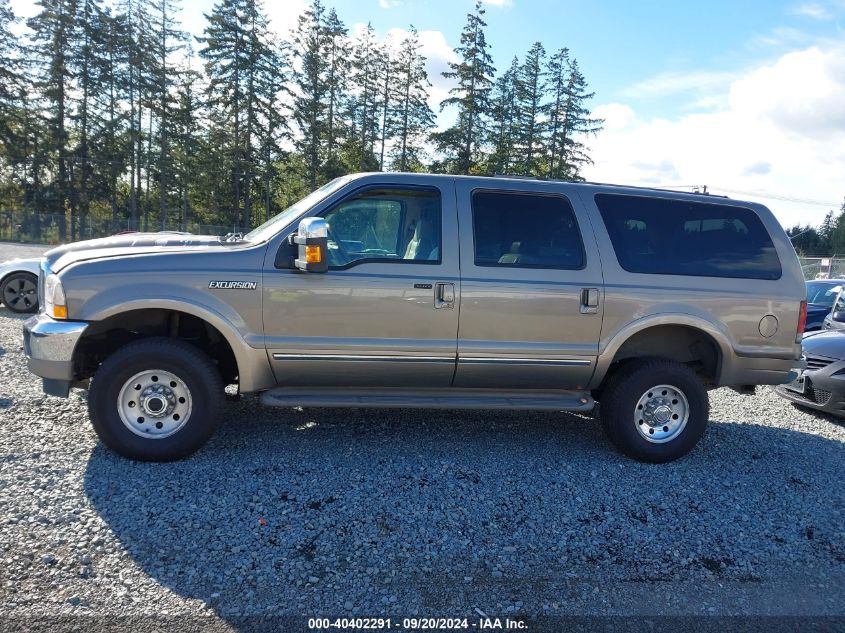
(10, 250)
(369, 512)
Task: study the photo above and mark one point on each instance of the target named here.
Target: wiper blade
(232, 237)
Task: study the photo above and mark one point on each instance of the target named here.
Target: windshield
(278, 222)
(823, 294)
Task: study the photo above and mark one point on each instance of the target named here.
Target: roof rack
(699, 190)
(517, 177)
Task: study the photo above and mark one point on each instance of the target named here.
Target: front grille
(819, 396)
(818, 362)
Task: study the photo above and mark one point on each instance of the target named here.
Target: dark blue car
(821, 294)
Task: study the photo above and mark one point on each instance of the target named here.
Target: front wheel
(655, 410)
(156, 399)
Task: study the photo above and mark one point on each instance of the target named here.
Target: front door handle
(589, 300)
(444, 295)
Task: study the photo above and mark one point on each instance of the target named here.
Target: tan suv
(414, 290)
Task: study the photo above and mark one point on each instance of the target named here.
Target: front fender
(254, 372)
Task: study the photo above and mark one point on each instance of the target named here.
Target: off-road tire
(181, 359)
(624, 389)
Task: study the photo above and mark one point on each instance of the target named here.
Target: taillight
(802, 321)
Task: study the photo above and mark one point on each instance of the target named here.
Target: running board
(428, 398)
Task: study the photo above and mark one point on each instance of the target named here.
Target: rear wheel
(655, 410)
(157, 399)
(19, 292)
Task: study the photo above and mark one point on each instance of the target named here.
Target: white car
(19, 285)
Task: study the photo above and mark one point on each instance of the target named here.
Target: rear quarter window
(678, 237)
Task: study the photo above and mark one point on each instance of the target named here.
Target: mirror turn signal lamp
(313, 254)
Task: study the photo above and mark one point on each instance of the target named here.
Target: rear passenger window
(677, 237)
(525, 231)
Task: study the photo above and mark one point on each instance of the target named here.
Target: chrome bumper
(49, 346)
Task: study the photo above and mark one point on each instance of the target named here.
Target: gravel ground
(430, 513)
(10, 250)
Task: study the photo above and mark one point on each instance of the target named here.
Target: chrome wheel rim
(661, 413)
(20, 294)
(154, 404)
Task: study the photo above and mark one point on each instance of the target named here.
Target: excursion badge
(232, 285)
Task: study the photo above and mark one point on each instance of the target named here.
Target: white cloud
(669, 83)
(617, 116)
(802, 92)
(498, 3)
(779, 38)
(283, 15)
(781, 131)
(389, 4)
(812, 10)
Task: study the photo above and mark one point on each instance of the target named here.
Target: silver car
(415, 290)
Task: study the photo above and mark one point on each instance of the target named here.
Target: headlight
(54, 298)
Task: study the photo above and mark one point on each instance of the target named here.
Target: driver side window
(385, 223)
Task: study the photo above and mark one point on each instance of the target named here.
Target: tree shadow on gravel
(361, 512)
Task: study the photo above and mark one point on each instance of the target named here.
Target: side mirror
(838, 315)
(312, 238)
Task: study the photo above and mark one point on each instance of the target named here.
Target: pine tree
(167, 39)
(338, 51)
(310, 78)
(471, 97)
(52, 36)
(364, 103)
(115, 147)
(11, 73)
(826, 227)
(387, 99)
(569, 118)
(412, 118)
(186, 130)
(530, 90)
(504, 115)
(837, 235)
(134, 18)
(266, 75)
(103, 120)
(245, 71)
(15, 156)
(89, 65)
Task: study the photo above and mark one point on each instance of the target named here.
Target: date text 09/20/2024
(482, 623)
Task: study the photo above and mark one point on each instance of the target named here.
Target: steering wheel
(337, 256)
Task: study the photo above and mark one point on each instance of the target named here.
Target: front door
(531, 289)
(386, 312)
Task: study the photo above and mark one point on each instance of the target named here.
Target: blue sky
(744, 96)
(623, 45)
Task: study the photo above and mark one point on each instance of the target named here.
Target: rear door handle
(589, 300)
(444, 295)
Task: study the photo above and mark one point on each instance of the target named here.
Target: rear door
(385, 314)
(531, 288)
